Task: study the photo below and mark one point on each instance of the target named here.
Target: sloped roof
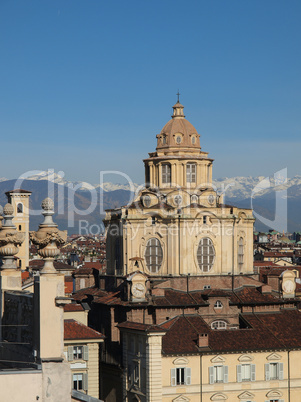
(76, 330)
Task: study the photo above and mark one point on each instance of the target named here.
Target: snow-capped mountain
(58, 178)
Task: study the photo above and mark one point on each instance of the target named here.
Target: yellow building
(20, 202)
(81, 348)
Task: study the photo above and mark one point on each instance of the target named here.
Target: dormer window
(193, 140)
(219, 324)
(218, 304)
(164, 139)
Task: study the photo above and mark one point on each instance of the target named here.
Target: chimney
(203, 341)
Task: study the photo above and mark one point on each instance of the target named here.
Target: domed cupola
(178, 134)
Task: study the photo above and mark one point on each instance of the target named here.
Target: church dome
(178, 132)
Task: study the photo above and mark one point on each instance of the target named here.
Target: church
(184, 314)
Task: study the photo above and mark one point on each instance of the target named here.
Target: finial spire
(178, 95)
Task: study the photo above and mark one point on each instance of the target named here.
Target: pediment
(274, 394)
(218, 397)
(246, 395)
(181, 398)
(218, 359)
(274, 356)
(181, 361)
(245, 358)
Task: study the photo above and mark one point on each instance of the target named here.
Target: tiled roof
(140, 327)
(251, 296)
(73, 307)
(83, 293)
(267, 332)
(76, 330)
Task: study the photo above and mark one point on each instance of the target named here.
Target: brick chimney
(203, 341)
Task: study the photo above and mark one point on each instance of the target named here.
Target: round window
(205, 254)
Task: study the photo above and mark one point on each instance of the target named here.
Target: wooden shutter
(188, 376)
(173, 381)
(70, 353)
(85, 382)
(86, 352)
(267, 371)
(225, 373)
(238, 373)
(211, 375)
(253, 372)
(280, 371)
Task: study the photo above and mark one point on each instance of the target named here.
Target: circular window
(211, 199)
(205, 254)
(178, 139)
(178, 199)
(146, 201)
(153, 255)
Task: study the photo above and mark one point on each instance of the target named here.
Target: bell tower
(19, 199)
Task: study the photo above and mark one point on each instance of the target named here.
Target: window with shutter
(180, 376)
(70, 353)
(173, 377)
(225, 374)
(86, 352)
(85, 382)
(78, 381)
(238, 373)
(253, 372)
(211, 375)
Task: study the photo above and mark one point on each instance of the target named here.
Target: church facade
(185, 317)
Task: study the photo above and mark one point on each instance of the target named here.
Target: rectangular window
(80, 381)
(273, 371)
(191, 173)
(166, 173)
(77, 352)
(218, 374)
(245, 372)
(181, 376)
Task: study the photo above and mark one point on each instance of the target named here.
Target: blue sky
(87, 84)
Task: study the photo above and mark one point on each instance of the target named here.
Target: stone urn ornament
(10, 239)
(48, 237)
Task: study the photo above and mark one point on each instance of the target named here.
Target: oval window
(153, 255)
(205, 254)
(179, 139)
(193, 140)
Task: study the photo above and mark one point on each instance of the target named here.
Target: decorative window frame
(144, 241)
(196, 246)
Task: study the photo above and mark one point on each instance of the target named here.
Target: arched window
(205, 254)
(240, 253)
(20, 208)
(153, 255)
(166, 173)
(219, 324)
(191, 173)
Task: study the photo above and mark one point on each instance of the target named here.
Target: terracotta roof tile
(76, 330)
(73, 307)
